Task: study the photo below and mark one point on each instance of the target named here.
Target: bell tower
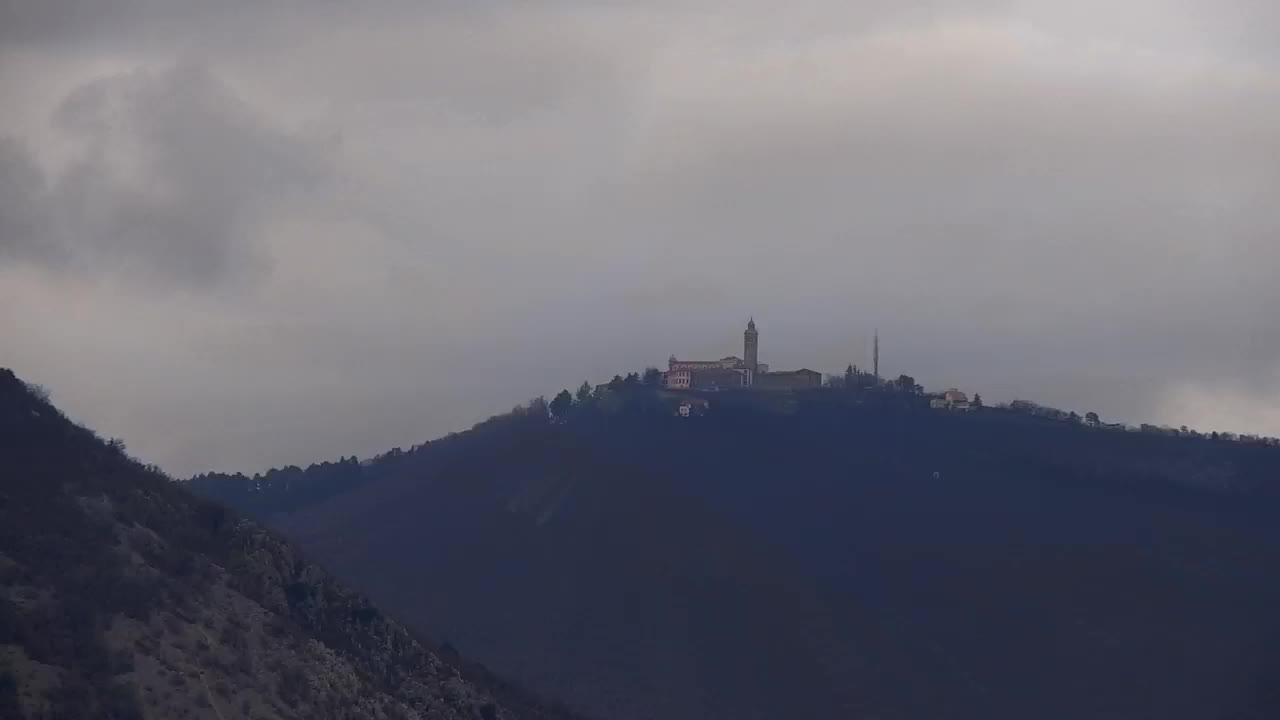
(751, 347)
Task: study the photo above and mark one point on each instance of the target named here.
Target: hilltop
(122, 595)
(818, 552)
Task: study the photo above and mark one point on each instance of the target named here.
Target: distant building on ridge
(788, 380)
(733, 373)
(951, 400)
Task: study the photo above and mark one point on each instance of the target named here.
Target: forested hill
(821, 553)
(1054, 441)
(124, 596)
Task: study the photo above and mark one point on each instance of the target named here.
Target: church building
(734, 373)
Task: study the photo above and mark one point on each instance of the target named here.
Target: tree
(652, 377)
(584, 393)
(977, 400)
(616, 383)
(850, 377)
(560, 406)
(632, 379)
(1092, 418)
(41, 392)
(905, 383)
(536, 408)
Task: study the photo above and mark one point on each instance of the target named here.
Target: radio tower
(875, 355)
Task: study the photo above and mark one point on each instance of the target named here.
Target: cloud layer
(241, 237)
(172, 181)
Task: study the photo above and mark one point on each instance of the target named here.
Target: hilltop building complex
(734, 373)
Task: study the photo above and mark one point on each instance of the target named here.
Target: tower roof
(751, 325)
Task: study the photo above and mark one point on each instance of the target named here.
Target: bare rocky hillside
(123, 596)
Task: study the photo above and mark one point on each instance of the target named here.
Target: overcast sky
(245, 234)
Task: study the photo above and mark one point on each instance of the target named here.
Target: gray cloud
(1026, 199)
(172, 179)
(23, 224)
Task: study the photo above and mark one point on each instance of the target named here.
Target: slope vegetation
(124, 596)
(824, 554)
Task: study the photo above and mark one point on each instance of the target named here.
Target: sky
(240, 235)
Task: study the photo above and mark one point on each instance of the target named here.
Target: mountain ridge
(909, 556)
(125, 596)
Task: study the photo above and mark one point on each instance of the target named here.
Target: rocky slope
(124, 596)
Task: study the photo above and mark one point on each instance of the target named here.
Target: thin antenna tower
(875, 356)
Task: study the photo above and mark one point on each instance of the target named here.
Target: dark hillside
(124, 596)
(829, 553)
(633, 598)
(1120, 574)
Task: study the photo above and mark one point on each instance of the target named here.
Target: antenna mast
(875, 357)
